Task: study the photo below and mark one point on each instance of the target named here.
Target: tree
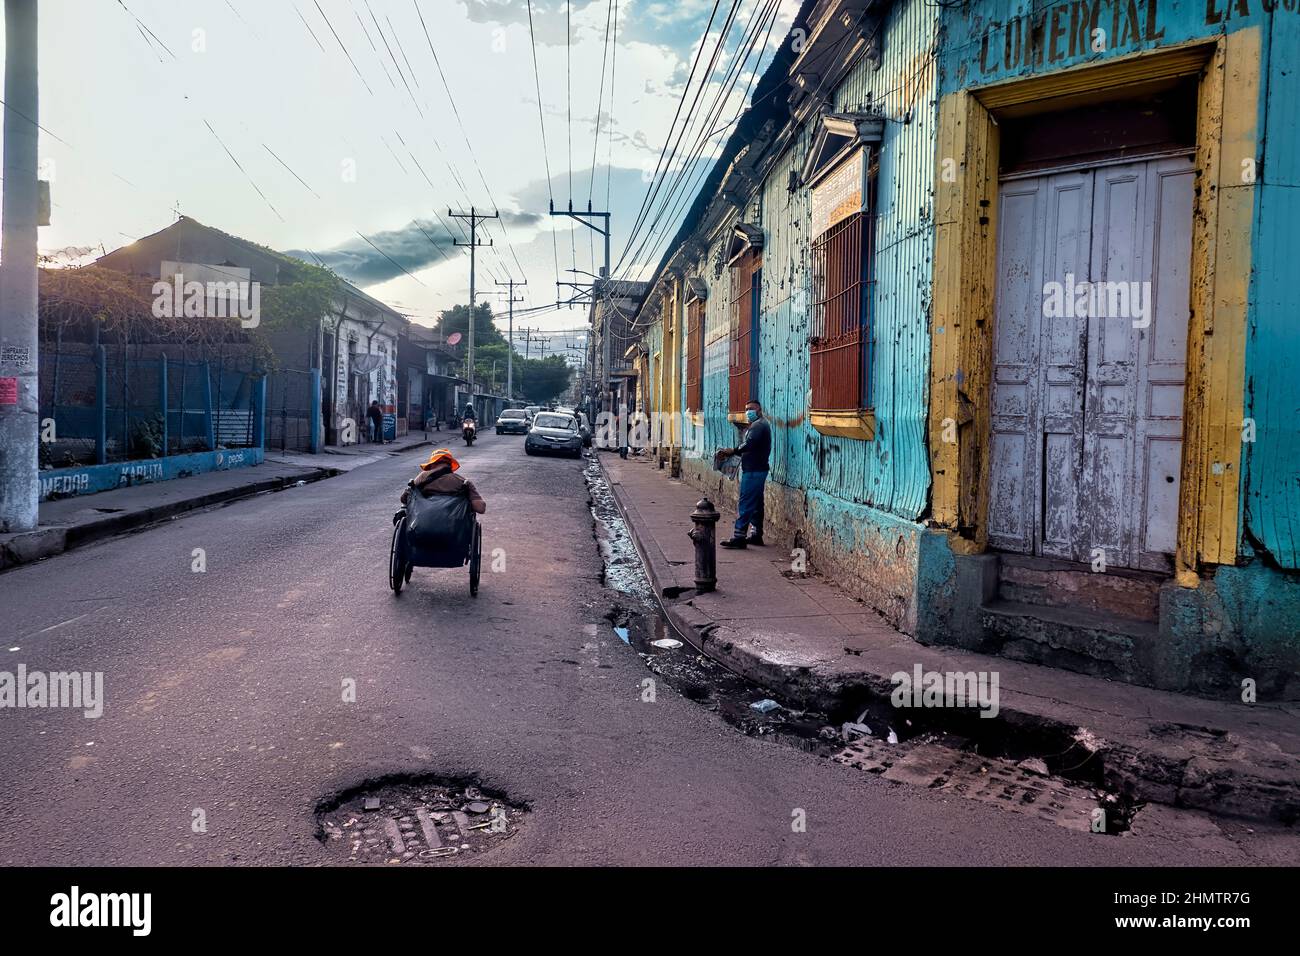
(541, 380)
(456, 319)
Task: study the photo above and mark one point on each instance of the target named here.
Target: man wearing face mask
(755, 450)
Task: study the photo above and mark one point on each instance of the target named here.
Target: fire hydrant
(704, 534)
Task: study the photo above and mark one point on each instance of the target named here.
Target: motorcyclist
(470, 415)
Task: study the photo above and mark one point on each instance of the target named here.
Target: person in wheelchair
(437, 477)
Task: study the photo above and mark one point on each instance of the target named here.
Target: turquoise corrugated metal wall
(979, 48)
(718, 432)
(1271, 503)
(891, 472)
(654, 341)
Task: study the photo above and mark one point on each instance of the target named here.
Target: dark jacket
(443, 481)
(375, 414)
(756, 447)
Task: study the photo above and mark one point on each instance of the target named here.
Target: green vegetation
(537, 380)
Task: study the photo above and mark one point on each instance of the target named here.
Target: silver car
(554, 432)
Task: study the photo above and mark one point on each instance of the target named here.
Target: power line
(243, 170)
(309, 29)
(387, 256)
(461, 124)
(690, 172)
(362, 23)
(145, 31)
(291, 172)
(541, 119)
(595, 139)
(680, 103)
(609, 155)
(341, 47)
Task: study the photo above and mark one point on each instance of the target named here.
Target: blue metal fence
(100, 404)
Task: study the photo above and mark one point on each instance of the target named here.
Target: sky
(305, 125)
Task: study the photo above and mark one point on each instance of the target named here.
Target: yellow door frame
(965, 257)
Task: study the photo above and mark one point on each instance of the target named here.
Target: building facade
(1007, 278)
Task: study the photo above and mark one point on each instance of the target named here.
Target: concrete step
(1087, 641)
(1049, 582)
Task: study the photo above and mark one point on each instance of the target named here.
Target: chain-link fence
(114, 403)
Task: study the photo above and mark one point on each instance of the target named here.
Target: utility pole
(588, 219)
(19, 361)
(510, 352)
(474, 219)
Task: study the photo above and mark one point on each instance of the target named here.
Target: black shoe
(733, 543)
(755, 539)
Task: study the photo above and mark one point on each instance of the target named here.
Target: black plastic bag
(439, 530)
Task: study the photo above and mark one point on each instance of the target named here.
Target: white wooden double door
(1087, 409)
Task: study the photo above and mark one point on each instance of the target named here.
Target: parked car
(584, 428)
(553, 432)
(513, 421)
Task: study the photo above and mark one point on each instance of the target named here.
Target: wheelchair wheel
(398, 570)
(475, 559)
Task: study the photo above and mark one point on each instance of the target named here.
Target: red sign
(8, 391)
(453, 339)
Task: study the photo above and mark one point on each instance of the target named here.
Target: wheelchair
(453, 550)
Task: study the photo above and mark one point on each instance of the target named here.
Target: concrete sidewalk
(71, 522)
(813, 646)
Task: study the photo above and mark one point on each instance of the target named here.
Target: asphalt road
(224, 693)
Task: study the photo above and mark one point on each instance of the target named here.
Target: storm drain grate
(1023, 787)
(418, 824)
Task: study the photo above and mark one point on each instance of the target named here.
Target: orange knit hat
(440, 454)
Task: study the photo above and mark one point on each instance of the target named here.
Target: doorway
(1092, 307)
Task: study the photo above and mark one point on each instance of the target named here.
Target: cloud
(675, 24)
(417, 245)
(549, 16)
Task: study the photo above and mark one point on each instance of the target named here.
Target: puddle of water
(624, 571)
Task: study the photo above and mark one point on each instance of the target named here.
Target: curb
(1177, 775)
(46, 542)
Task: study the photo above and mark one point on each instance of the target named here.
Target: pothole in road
(420, 822)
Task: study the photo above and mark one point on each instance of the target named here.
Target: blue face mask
(751, 415)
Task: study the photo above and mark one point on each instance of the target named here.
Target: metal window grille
(836, 360)
(743, 308)
(694, 348)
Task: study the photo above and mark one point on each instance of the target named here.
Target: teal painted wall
(987, 41)
(891, 472)
(1271, 464)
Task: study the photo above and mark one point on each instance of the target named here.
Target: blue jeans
(751, 502)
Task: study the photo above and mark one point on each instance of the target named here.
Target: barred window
(746, 279)
(694, 348)
(840, 340)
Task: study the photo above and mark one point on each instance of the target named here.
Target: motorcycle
(468, 430)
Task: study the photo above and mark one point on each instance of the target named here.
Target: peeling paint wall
(1271, 463)
(853, 504)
